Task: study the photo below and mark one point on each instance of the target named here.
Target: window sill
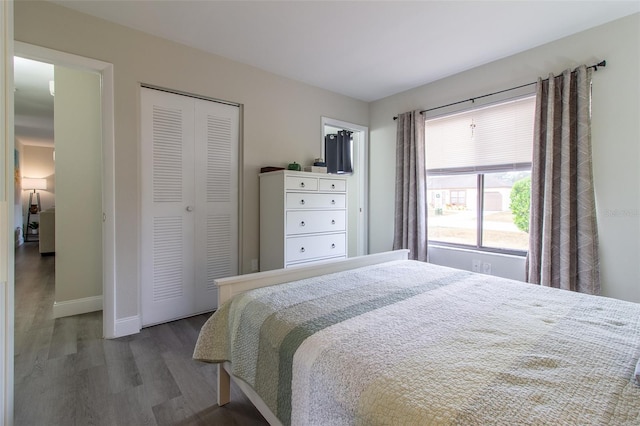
(483, 250)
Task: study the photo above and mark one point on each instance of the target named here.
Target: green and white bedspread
(412, 343)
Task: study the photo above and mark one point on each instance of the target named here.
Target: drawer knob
(302, 223)
(333, 186)
(333, 201)
(301, 249)
(333, 222)
(333, 246)
(302, 202)
(301, 184)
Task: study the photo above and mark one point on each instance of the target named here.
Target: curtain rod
(472, 100)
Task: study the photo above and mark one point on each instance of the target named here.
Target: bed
(382, 340)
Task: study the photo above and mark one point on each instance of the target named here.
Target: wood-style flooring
(67, 374)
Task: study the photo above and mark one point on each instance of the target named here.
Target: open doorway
(34, 149)
(72, 71)
(59, 148)
(357, 182)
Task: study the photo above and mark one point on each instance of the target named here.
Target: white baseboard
(128, 326)
(77, 306)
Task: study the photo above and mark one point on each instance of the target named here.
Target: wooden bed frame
(229, 287)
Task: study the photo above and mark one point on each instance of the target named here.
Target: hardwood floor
(66, 374)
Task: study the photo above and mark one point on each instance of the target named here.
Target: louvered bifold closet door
(168, 206)
(216, 238)
(189, 212)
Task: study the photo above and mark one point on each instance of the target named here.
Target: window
(458, 198)
(478, 176)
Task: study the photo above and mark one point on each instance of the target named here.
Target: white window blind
(499, 136)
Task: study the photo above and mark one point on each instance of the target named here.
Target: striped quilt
(412, 343)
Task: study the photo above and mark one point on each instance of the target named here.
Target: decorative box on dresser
(303, 218)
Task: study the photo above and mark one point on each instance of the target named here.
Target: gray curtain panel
(410, 231)
(563, 240)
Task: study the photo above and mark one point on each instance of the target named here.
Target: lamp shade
(34, 183)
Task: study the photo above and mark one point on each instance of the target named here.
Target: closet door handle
(189, 208)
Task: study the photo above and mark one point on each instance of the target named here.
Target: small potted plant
(33, 226)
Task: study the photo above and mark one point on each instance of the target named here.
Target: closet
(189, 203)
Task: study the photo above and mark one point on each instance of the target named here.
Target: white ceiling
(364, 49)
(33, 103)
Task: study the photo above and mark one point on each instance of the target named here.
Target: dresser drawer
(308, 222)
(297, 200)
(301, 183)
(317, 246)
(338, 185)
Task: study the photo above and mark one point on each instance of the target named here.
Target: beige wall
(615, 127)
(281, 117)
(78, 141)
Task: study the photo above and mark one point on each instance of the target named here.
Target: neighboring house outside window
(458, 198)
(474, 159)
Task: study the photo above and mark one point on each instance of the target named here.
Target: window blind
(496, 136)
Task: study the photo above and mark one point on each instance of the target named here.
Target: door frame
(105, 70)
(7, 266)
(359, 163)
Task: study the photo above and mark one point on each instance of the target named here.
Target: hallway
(66, 374)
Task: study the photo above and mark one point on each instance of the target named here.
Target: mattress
(407, 342)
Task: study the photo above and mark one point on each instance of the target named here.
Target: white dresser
(303, 218)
